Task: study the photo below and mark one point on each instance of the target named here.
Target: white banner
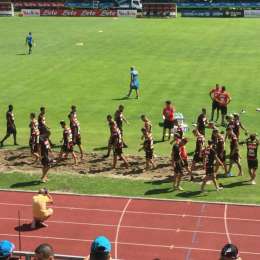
(252, 13)
(127, 13)
(31, 12)
(6, 13)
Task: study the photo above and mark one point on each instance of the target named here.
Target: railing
(29, 255)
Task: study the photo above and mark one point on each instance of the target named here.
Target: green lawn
(178, 59)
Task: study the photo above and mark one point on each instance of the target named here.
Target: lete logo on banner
(127, 13)
(87, 12)
(31, 12)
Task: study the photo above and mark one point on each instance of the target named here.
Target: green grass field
(178, 59)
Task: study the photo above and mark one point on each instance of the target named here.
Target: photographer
(40, 211)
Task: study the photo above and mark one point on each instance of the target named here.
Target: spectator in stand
(40, 211)
(100, 249)
(168, 117)
(229, 252)
(6, 250)
(44, 252)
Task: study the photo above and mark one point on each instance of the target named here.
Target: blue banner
(218, 5)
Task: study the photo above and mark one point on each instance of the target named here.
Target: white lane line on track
(119, 225)
(138, 212)
(130, 244)
(137, 227)
(226, 224)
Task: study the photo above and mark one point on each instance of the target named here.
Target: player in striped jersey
(34, 137)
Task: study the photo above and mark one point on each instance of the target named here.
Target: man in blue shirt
(29, 41)
(134, 82)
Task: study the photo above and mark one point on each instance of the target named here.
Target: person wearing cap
(44, 252)
(6, 250)
(100, 249)
(210, 157)
(134, 82)
(229, 252)
(252, 144)
(40, 211)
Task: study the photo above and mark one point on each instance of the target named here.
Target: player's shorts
(201, 130)
(30, 45)
(197, 158)
(178, 167)
(46, 162)
(149, 154)
(67, 148)
(34, 143)
(234, 157)
(77, 140)
(185, 163)
(252, 164)
(223, 110)
(135, 84)
(210, 171)
(11, 130)
(168, 124)
(44, 215)
(118, 151)
(215, 105)
(222, 156)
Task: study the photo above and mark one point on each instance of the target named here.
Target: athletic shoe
(44, 224)
(180, 188)
(33, 225)
(253, 182)
(220, 188)
(229, 174)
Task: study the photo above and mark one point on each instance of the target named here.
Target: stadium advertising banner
(30, 12)
(37, 4)
(252, 13)
(212, 13)
(89, 12)
(131, 13)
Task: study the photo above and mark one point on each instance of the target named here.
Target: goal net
(6, 9)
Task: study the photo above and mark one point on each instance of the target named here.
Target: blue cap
(6, 248)
(101, 244)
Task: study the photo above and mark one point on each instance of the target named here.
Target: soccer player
(29, 42)
(252, 144)
(67, 146)
(202, 121)
(147, 146)
(45, 149)
(11, 128)
(198, 153)
(223, 99)
(168, 117)
(117, 144)
(134, 82)
(184, 155)
(215, 105)
(75, 129)
(210, 156)
(219, 146)
(147, 125)
(34, 137)
(119, 119)
(237, 125)
(40, 211)
(234, 152)
(177, 163)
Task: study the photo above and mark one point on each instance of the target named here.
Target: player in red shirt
(215, 105)
(168, 117)
(223, 99)
(184, 155)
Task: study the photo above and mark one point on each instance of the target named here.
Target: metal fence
(29, 256)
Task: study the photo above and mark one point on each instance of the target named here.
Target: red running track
(139, 229)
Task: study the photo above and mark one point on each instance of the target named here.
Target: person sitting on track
(229, 252)
(6, 250)
(100, 249)
(44, 252)
(40, 211)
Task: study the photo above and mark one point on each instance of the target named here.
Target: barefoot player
(11, 128)
(117, 146)
(147, 146)
(234, 152)
(119, 119)
(67, 146)
(34, 137)
(40, 211)
(75, 129)
(210, 156)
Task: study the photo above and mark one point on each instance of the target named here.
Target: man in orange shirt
(168, 117)
(215, 105)
(40, 211)
(223, 99)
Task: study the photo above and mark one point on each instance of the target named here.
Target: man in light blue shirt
(134, 82)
